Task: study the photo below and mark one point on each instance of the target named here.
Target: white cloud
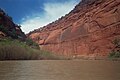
(52, 11)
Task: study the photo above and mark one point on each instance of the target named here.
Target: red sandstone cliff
(86, 31)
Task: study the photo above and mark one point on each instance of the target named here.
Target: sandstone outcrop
(8, 28)
(86, 31)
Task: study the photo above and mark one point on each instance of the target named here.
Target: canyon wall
(87, 31)
(8, 28)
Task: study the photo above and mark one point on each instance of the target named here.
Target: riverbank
(18, 50)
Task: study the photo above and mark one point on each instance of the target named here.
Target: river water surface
(60, 70)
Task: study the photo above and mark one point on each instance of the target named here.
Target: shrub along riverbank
(115, 53)
(16, 50)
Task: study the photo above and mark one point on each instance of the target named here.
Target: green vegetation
(115, 53)
(16, 50)
(3, 29)
(12, 33)
(31, 43)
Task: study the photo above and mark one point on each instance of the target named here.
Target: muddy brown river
(60, 70)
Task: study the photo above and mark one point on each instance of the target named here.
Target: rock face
(86, 31)
(8, 28)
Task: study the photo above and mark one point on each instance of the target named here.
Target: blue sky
(33, 14)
